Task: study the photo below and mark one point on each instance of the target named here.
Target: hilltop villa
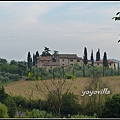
(61, 60)
(68, 59)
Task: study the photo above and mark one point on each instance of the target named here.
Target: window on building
(98, 64)
(63, 64)
(78, 60)
(110, 64)
(63, 60)
(71, 60)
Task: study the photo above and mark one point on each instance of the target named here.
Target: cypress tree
(105, 62)
(85, 56)
(28, 59)
(92, 59)
(3, 94)
(37, 55)
(31, 63)
(34, 59)
(98, 55)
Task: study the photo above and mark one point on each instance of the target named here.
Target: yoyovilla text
(90, 93)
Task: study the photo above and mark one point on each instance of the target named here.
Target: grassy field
(28, 88)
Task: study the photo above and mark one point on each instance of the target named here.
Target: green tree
(117, 16)
(54, 56)
(22, 69)
(29, 60)
(92, 103)
(3, 95)
(70, 105)
(46, 52)
(85, 60)
(3, 61)
(36, 56)
(9, 102)
(13, 62)
(105, 62)
(98, 55)
(111, 109)
(34, 59)
(13, 69)
(54, 93)
(92, 58)
(30, 75)
(3, 111)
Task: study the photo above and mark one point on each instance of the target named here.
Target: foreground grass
(28, 89)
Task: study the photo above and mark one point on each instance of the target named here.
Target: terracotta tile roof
(101, 61)
(67, 56)
(45, 58)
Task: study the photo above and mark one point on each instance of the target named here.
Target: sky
(68, 27)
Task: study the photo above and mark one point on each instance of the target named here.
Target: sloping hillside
(28, 88)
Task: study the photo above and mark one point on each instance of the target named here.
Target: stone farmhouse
(111, 64)
(68, 59)
(61, 60)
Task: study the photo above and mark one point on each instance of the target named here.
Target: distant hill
(118, 61)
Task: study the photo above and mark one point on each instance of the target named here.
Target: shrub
(9, 102)
(70, 104)
(83, 116)
(3, 111)
(36, 113)
(111, 109)
(68, 76)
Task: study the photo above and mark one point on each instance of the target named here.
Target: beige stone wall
(110, 66)
(50, 67)
(64, 62)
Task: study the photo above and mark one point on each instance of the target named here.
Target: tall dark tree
(117, 16)
(116, 19)
(36, 56)
(105, 62)
(29, 59)
(98, 55)
(3, 94)
(92, 58)
(85, 60)
(34, 59)
(54, 56)
(31, 63)
(46, 52)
